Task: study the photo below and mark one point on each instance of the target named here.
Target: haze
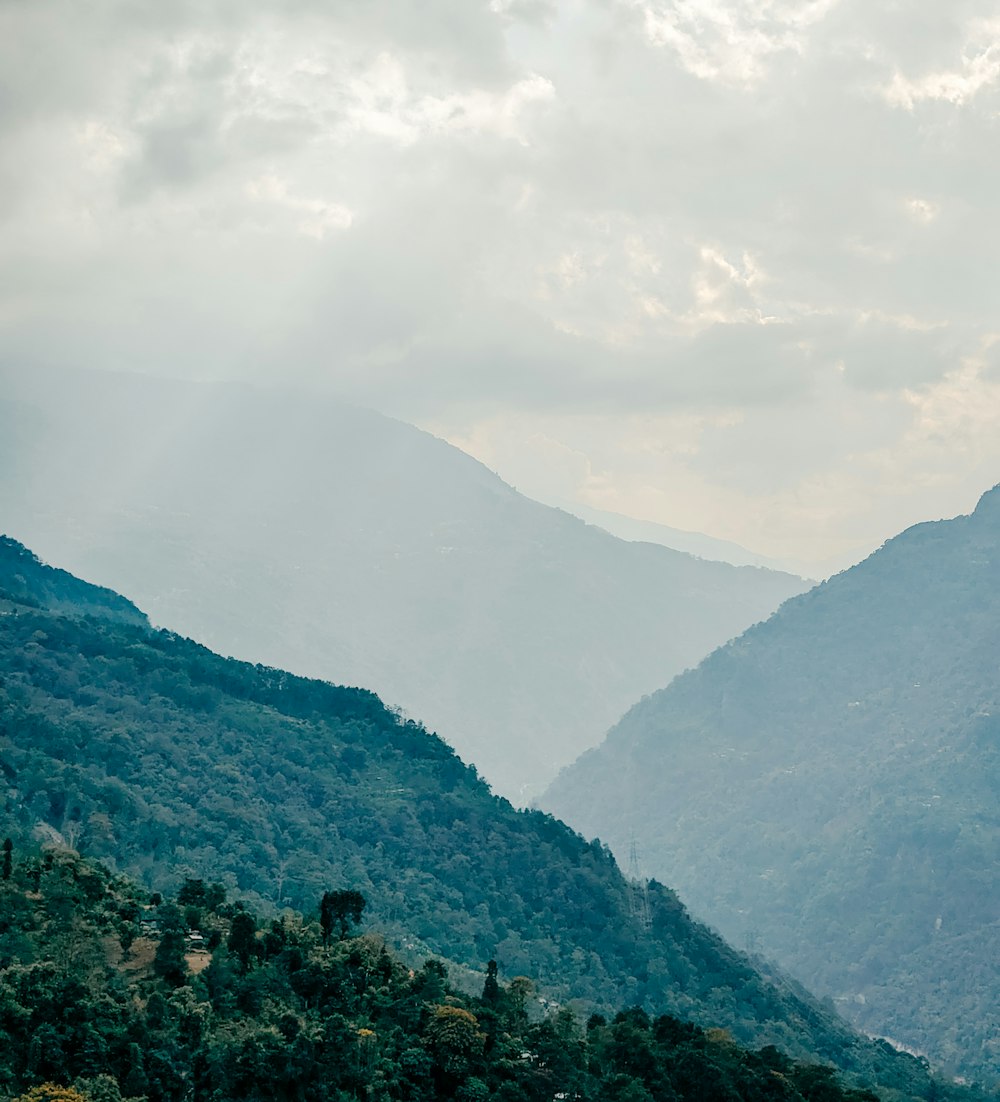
(725, 266)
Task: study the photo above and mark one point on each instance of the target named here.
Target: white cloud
(314, 218)
(103, 149)
(959, 413)
(342, 94)
(692, 243)
(922, 211)
(731, 41)
(724, 292)
(977, 70)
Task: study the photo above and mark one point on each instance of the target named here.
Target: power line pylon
(638, 889)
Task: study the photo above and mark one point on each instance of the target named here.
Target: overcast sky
(730, 265)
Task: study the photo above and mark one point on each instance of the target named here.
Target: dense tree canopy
(83, 1019)
(825, 787)
(180, 766)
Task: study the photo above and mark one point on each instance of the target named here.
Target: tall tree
(242, 941)
(169, 962)
(341, 908)
(491, 989)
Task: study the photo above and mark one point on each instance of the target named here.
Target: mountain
(692, 543)
(167, 761)
(194, 997)
(339, 543)
(705, 547)
(30, 582)
(825, 788)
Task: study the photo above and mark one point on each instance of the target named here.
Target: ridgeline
(825, 787)
(152, 753)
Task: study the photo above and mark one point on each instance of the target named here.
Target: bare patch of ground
(197, 961)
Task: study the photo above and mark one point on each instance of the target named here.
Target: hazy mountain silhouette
(339, 543)
(707, 547)
(826, 787)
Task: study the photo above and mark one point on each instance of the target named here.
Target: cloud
(977, 69)
(754, 216)
(314, 218)
(733, 42)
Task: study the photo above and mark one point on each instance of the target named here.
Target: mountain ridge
(339, 543)
(168, 760)
(826, 784)
(702, 545)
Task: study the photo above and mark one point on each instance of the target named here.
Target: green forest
(170, 763)
(108, 994)
(825, 787)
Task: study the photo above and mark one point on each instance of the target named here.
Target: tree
(8, 847)
(169, 963)
(100, 1088)
(242, 941)
(51, 1092)
(454, 1038)
(215, 897)
(491, 989)
(342, 908)
(135, 1083)
(519, 992)
(473, 1090)
(192, 893)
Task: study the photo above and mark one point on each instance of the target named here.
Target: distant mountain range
(825, 788)
(159, 757)
(339, 543)
(705, 547)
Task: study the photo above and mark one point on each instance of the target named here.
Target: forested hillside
(31, 582)
(338, 543)
(105, 995)
(152, 753)
(825, 789)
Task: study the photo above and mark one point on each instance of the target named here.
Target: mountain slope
(826, 786)
(122, 997)
(25, 580)
(697, 543)
(339, 543)
(151, 752)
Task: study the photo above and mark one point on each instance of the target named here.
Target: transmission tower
(638, 889)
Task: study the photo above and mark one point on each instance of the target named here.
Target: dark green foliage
(824, 789)
(183, 767)
(169, 961)
(491, 988)
(29, 582)
(341, 909)
(315, 1021)
(242, 941)
(192, 892)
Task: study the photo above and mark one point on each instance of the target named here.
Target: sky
(727, 265)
